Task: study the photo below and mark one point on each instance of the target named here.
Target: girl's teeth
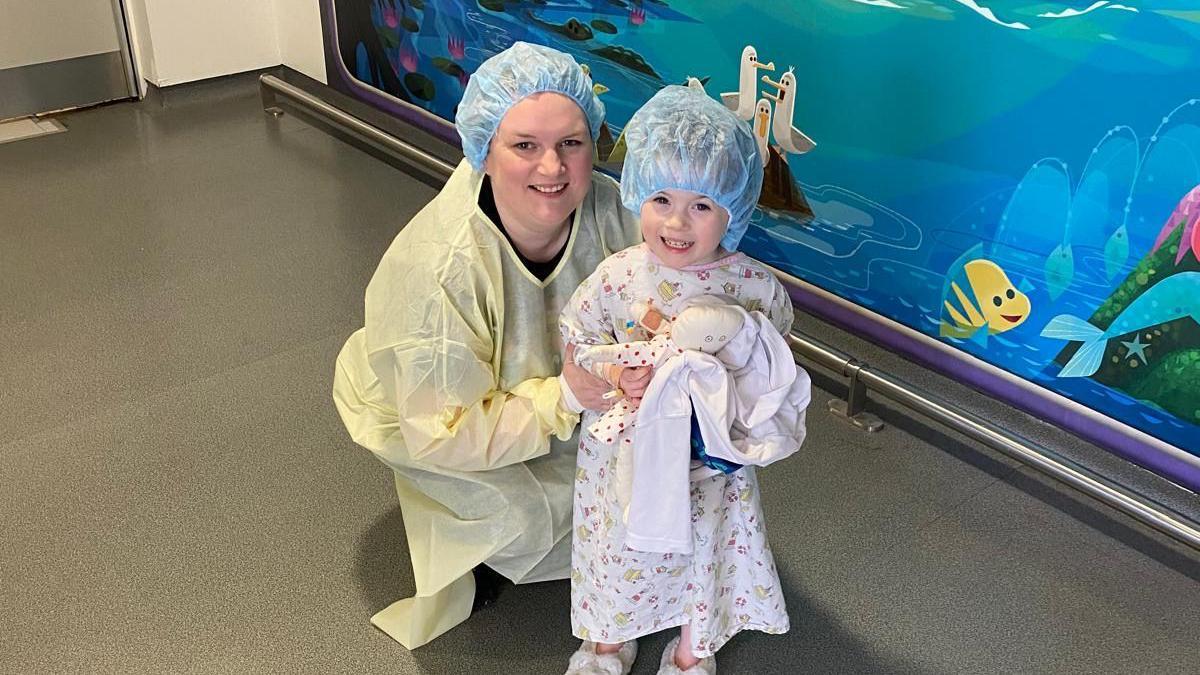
(549, 190)
(676, 244)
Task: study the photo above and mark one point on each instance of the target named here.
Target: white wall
(301, 43)
(197, 39)
(177, 41)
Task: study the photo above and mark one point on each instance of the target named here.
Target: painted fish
(997, 306)
(1060, 270)
(1172, 298)
(1116, 252)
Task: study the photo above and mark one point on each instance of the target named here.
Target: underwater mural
(1020, 180)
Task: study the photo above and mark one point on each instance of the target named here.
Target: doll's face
(706, 328)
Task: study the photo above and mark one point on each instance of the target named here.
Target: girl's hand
(633, 382)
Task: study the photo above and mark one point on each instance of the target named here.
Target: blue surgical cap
(682, 139)
(508, 77)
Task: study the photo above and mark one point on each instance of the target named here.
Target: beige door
(58, 54)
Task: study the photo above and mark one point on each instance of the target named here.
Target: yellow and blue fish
(994, 306)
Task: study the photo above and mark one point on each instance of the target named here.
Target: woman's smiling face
(540, 162)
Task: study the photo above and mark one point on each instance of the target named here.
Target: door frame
(75, 82)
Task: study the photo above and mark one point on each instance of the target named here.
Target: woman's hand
(589, 390)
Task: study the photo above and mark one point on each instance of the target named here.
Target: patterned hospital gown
(729, 583)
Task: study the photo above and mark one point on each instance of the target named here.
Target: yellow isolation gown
(453, 383)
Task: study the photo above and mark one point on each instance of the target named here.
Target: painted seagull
(762, 127)
(742, 101)
(787, 136)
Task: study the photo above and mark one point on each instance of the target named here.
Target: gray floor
(176, 277)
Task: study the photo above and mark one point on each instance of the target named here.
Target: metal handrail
(1022, 449)
(1017, 447)
(271, 87)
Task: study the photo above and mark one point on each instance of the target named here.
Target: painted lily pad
(388, 37)
(417, 4)
(410, 24)
(447, 66)
(604, 26)
(420, 86)
(628, 58)
(493, 5)
(573, 28)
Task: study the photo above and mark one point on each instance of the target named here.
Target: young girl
(693, 171)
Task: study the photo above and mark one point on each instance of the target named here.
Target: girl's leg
(684, 658)
(602, 648)
(597, 657)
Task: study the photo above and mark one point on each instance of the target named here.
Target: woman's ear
(487, 161)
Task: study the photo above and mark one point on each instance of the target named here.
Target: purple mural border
(417, 117)
(1042, 407)
(1123, 445)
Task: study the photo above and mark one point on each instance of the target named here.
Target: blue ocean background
(1026, 133)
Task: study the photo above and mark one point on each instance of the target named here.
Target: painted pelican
(762, 127)
(742, 100)
(787, 136)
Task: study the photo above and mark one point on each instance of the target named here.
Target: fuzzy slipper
(585, 660)
(706, 666)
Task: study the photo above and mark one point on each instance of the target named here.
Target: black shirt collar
(541, 270)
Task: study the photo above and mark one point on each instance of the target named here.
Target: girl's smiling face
(683, 228)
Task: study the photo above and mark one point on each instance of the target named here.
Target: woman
(455, 380)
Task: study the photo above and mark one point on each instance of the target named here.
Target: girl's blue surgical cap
(683, 139)
(508, 77)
